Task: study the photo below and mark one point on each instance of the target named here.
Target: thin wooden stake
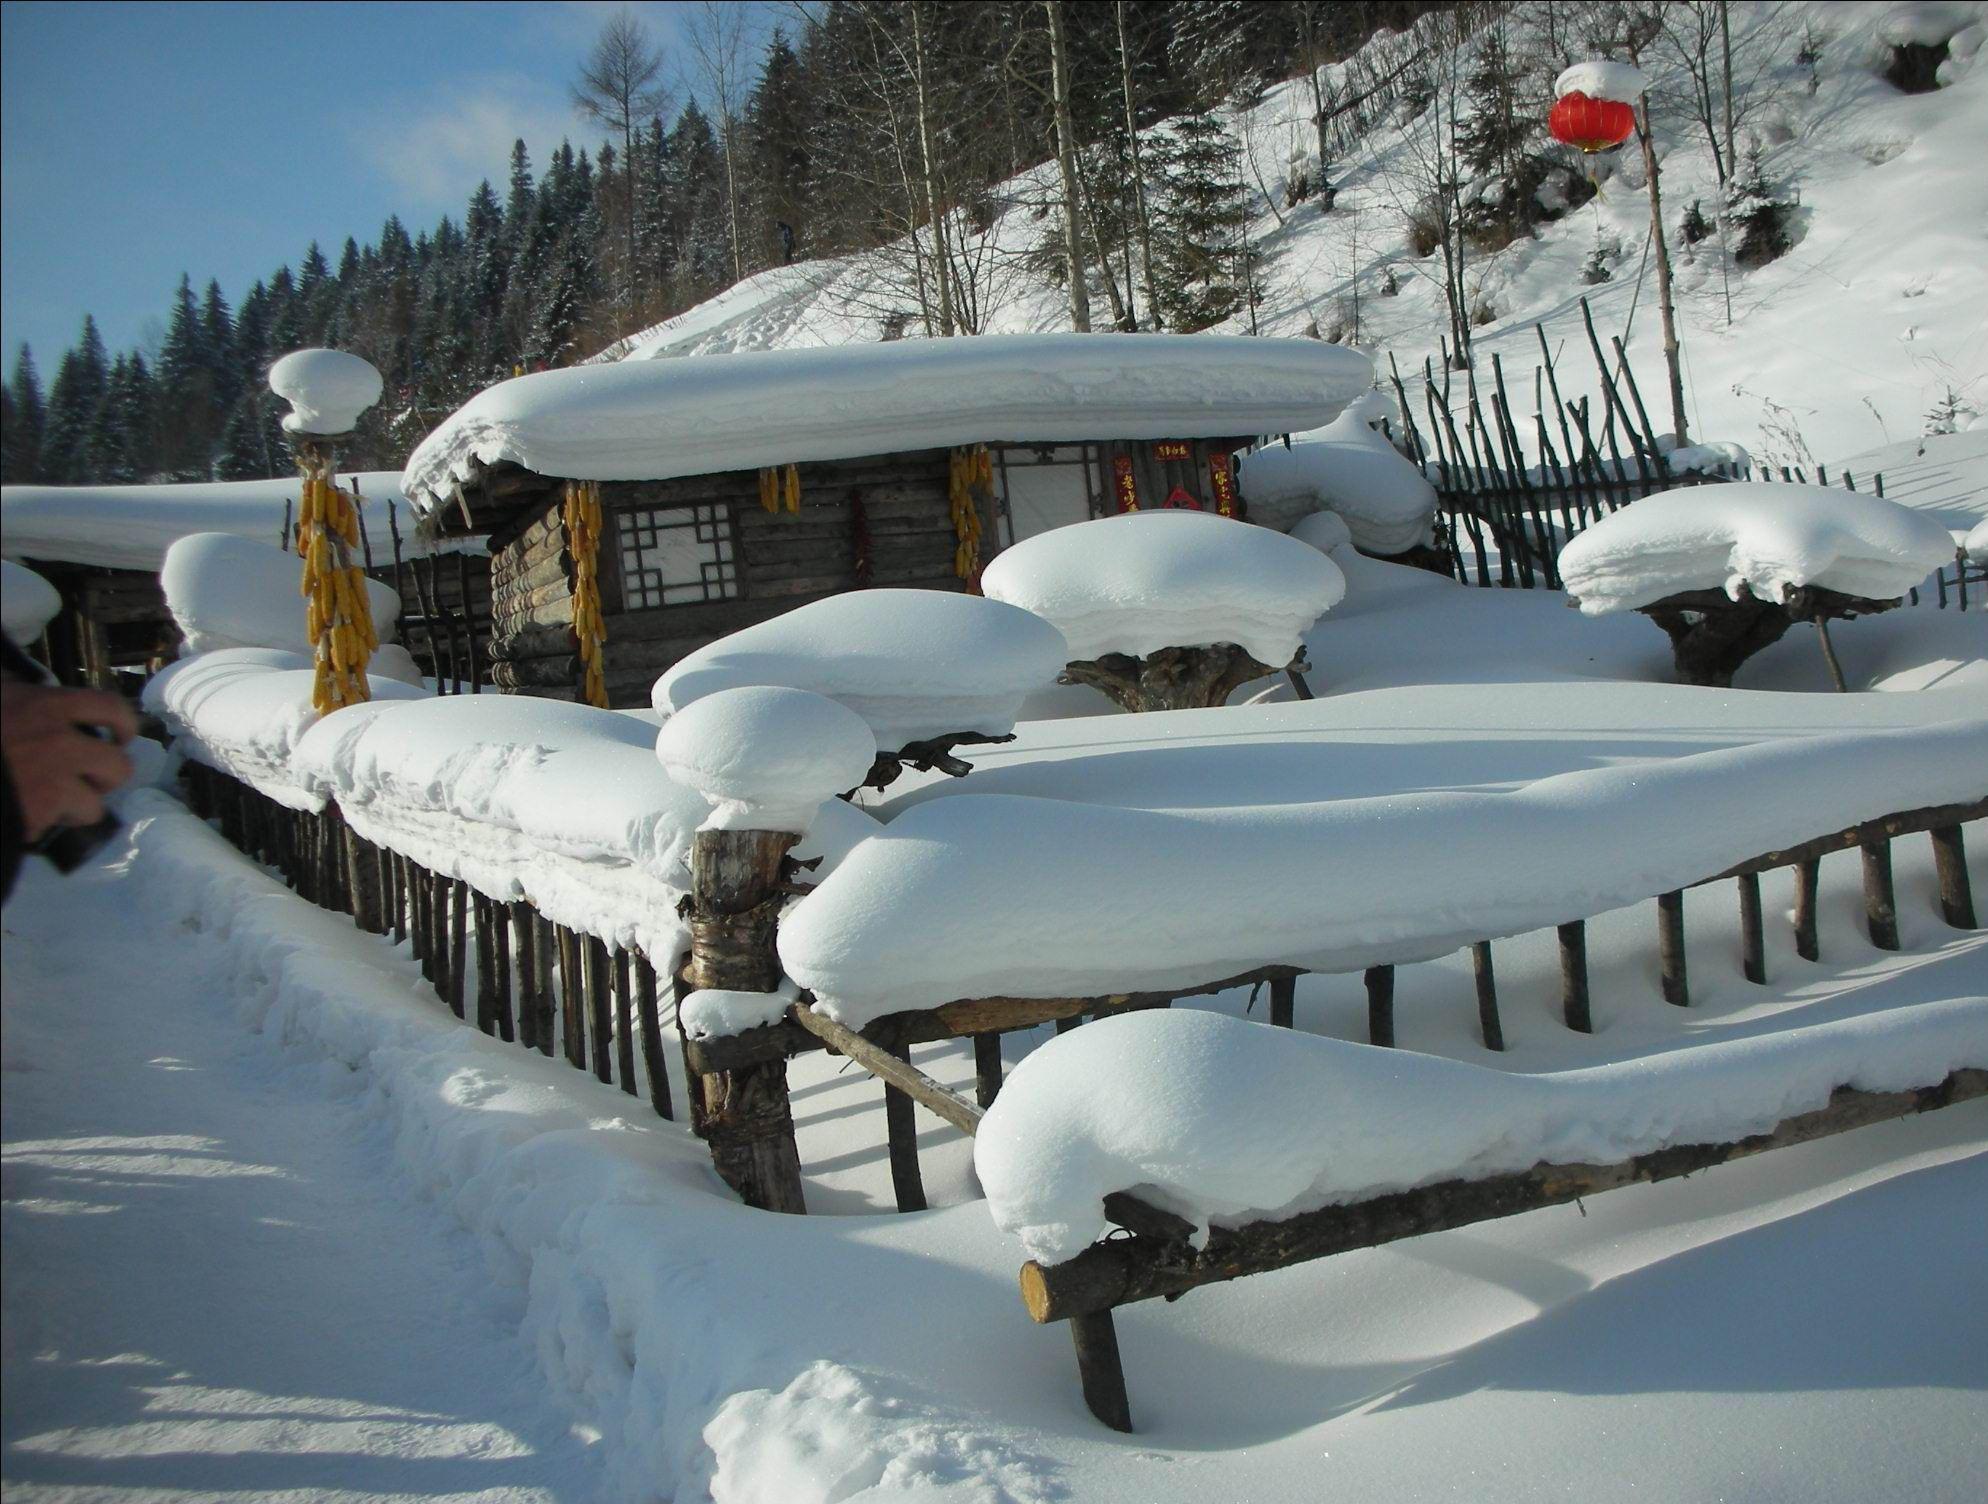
(503, 920)
(1380, 1005)
(572, 1004)
(1829, 656)
(986, 1068)
(1100, 1370)
(1808, 879)
(486, 966)
(624, 1021)
(1670, 947)
(1487, 996)
(1574, 976)
(1880, 902)
(1283, 1002)
(654, 1065)
(545, 953)
(600, 1007)
(906, 1179)
(458, 943)
(1753, 943)
(1950, 864)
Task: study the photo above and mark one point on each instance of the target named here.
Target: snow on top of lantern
(326, 390)
(913, 664)
(1599, 79)
(1769, 539)
(230, 592)
(27, 601)
(1143, 581)
(766, 756)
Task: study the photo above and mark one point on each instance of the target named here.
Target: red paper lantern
(1591, 124)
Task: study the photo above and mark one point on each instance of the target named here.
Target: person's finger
(97, 707)
(102, 766)
(77, 804)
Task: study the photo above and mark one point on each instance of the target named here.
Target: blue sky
(138, 140)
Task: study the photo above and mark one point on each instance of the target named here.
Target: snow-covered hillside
(1844, 344)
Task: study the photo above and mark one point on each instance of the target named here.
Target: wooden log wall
(780, 560)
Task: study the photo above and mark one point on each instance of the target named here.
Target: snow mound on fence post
(914, 664)
(1143, 581)
(1769, 539)
(226, 591)
(28, 603)
(327, 390)
(1346, 468)
(766, 757)
(1226, 1122)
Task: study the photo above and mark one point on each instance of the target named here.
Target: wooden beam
(1119, 1271)
(890, 1068)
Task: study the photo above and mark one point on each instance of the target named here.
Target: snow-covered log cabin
(735, 488)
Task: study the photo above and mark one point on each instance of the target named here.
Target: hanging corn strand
(338, 617)
(971, 479)
(780, 487)
(583, 541)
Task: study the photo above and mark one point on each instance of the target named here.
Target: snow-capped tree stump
(744, 1114)
(1174, 678)
(1712, 634)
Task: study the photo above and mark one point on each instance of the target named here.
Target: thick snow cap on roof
(912, 663)
(1600, 79)
(703, 415)
(229, 592)
(28, 603)
(766, 756)
(1143, 581)
(131, 527)
(326, 390)
(1768, 539)
(1347, 468)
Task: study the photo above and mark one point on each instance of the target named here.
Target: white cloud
(434, 153)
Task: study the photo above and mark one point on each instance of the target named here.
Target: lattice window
(676, 556)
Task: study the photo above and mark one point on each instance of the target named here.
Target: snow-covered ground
(1807, 1325)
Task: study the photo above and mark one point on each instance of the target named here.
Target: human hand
(57, 756)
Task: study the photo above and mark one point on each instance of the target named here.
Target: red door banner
(1222, 484)
(1180, 497)
(1173, 449)
(1123, 484)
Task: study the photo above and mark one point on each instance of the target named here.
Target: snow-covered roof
(1768, 538)
(226, 591)
(913, 664)
(1143, 581)
(656, 419)
(131, 527)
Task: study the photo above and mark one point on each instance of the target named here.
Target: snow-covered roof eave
(660, 419)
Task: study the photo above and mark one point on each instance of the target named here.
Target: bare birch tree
(619, 87)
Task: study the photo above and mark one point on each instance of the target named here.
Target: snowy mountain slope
(1843, 344)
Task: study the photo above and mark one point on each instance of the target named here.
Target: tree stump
(1174, 678)
(1711, 634)
(744, 1115)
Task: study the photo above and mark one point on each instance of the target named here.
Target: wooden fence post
(745, 1115)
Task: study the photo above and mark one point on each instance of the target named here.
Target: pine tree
(1199, 219)
(119, 449)
(217, 333)
(26, 425)
(80, 383)
(775, 157)
(1759, 215)
(697, 199)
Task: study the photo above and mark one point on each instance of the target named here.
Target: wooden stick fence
(608, 998)
(1489, 488)
(606, 993)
